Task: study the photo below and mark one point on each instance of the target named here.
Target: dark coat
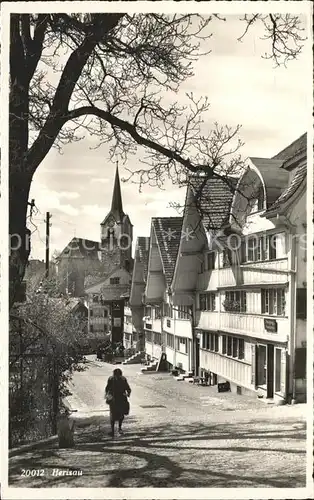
(119, 389)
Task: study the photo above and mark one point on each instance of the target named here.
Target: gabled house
(134, 309)
(195, 280)
(244, 271)
(78, 259)
(167, 325)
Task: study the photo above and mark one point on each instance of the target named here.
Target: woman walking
(117, 391)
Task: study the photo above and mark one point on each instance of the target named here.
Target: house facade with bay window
(244, 271)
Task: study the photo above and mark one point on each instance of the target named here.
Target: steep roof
(168, 235)
(293, 155)
(291, 151)
(297, 180)
(116, 203)
(142, 252)
(275, 178)
(213, 199)
(81, 247)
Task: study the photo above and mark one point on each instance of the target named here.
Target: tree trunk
(19, 186)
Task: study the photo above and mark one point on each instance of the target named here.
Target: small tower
(116, 234)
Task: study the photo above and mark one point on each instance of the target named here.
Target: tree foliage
(106, 74)
(46, 345)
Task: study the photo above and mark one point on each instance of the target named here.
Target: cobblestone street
(177, 435)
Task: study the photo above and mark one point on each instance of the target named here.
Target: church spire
(116, 204)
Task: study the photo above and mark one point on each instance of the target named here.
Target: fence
(33, 385)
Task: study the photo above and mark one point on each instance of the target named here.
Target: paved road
(177, 435)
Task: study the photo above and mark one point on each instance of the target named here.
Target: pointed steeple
(116, 204)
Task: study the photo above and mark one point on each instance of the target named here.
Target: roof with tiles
(213, 199)
(142, 252)
(297, 181)
(291, 151)
(292, 155)
(168, 235)
(80, 247)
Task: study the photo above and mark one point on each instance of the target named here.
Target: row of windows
(253, 249)
(272, 301)
(180, 344)
(229, 345)
(101, 313)
(208, 301)
(94, 328)
(183, 311)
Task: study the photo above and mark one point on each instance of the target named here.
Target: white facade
(247, 283)
(246, 312)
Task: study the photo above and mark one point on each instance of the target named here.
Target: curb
(26, 447)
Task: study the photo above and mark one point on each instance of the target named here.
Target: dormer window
(257, 202)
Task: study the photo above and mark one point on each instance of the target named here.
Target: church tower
(116, 234)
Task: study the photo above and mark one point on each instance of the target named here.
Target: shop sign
(270, 325)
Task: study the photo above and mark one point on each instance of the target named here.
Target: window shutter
(243, 251)
(253, 372)
(301, 303)
(300, 363)
(283, 371)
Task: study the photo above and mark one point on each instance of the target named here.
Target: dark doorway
(270, 371)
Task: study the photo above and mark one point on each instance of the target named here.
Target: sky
(242, 87)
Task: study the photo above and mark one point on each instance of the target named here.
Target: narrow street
(177, 435)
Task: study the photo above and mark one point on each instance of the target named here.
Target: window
(183, 312)
(157, 338)
(211, 302)
(257, 248)
(258, 202)
(95, 299)
(168, 323)
(170, 340)
(148, 311)
(203, 301)
(208, 301)
(216, 346)
(91, 328)
(235, 301)
(210, 341)
(224, 344)
(167, 310)
(148, 336)
(229, 346)
(182, 345)
(91, 312)
(211, 261)
(226, 257)
(157, 312)
(115, 281)
(235, 347)
(241, 349)
(273, 301)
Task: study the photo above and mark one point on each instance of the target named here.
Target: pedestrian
(116, 393)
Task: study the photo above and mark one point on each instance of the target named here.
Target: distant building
(107, 289)
(134, 308)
